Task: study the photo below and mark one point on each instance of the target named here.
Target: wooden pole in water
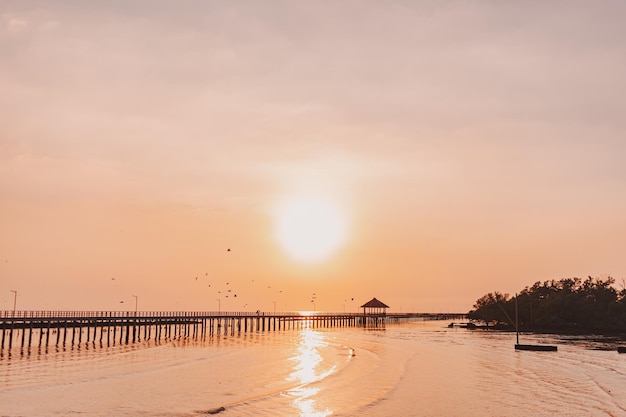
(23, 336)
(516, 323)
(11, 336)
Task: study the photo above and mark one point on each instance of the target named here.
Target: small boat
(536, 348)
(468, 325)
(621, 349)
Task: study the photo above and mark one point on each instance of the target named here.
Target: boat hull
(538, 348)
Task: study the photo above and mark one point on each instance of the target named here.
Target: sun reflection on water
(305, 372)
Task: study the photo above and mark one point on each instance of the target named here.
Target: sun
(310, 229)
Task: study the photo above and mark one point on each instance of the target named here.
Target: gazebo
(374, 307)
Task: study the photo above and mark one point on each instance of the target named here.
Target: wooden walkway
(40, 329)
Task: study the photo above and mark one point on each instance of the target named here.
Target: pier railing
(93, 314)
(74, 314)
(60, 314)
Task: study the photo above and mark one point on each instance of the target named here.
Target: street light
(14, 300)
(136, 302)
(219, 305)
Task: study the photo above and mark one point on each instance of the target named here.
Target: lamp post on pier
(136, 302)
(14, 300)
(219, 305)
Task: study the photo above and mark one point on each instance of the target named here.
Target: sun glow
(310, 229)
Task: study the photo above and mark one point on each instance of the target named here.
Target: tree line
(566, 305)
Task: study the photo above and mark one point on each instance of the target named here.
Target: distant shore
(563, 331)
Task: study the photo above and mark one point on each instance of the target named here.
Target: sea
(421, 369)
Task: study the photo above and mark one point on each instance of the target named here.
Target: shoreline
(561, 331)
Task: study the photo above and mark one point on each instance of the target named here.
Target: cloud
(14, 26)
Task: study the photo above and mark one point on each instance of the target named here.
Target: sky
(459, 148)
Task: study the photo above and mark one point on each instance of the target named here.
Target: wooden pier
(30, 330)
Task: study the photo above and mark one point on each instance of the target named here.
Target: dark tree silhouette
(566, 305)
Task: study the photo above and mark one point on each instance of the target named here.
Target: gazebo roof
(374, 303)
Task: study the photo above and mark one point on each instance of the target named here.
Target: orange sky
(473, 147)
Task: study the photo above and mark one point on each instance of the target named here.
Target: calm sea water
(414, 369)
